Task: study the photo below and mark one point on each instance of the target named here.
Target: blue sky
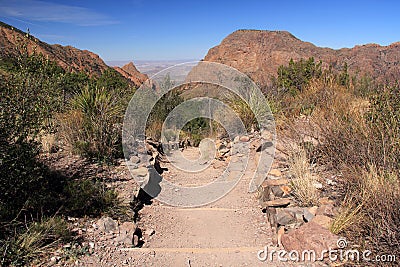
(163, 30)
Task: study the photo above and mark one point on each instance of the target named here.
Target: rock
(323, 221)
(286, 190)
(330, 182)
(127, 227)
(140, 172)
(107, 225)
(325, 200)
(275, 173)
(218, 164)
(244, 139)
(125, 239)
(264, 146)
(135, 159)
(327, 210)
(309, 236)
(307, 215)
(224, 151)
(236, 139)
(284, 217)
(266, 135)
(277, 191)
(281, 202)
(219, 145)
(297, 212)
(313, 210)
(274, 182)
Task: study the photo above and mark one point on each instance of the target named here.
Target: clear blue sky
(159, 30)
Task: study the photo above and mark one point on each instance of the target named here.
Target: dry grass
(369, 214)
(303, 182)
(34, 242)
(348, 216)
(366, 150)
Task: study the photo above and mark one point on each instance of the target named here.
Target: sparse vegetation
(354, 125)
(34, 200)
(303, 181)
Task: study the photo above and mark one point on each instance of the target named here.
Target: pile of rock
(297, 228)
(125, 234)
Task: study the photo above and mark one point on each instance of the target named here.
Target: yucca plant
(92, 126)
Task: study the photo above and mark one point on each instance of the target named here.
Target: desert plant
(161, 110)
(296, 76)
(32, 241)
(30, 93)
(370, 210)
(357, 129)
(92, 126)
(303, 181)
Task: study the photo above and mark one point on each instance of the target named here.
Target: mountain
(69, 58)
(259, 53)
(130, 72)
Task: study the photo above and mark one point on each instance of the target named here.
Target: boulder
(107, 225)
(140, 172)
(135, 159)
(309, 236)
(327, 210)
(285, 217)
(264, 146)
(244, 139)
(281, 202)
(323, 220)
(307, 215)
(266, 135)
(275, 182)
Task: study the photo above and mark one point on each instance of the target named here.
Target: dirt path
(228, 232)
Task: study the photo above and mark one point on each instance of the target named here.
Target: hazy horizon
(170, 30)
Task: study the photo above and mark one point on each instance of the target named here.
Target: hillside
(68, 57)
(259, 54)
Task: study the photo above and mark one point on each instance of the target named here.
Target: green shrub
(296, 76)
(31, 91)
(88, 198)
(92, 128)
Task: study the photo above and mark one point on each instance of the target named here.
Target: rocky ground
(227, 232)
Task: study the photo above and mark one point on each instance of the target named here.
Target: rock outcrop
(259, 53)
(130, 72)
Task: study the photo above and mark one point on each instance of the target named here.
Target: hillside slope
(68, 57)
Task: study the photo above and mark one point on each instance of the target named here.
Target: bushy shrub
(93, 124)
(296, 76)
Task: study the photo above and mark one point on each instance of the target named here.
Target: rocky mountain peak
(259, 53)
